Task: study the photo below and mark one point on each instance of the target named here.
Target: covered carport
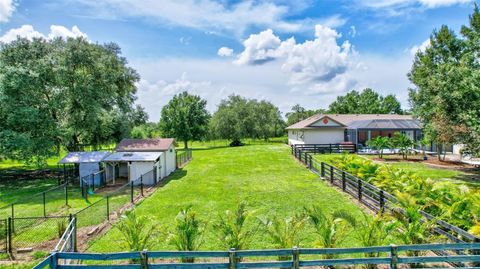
(130, 166)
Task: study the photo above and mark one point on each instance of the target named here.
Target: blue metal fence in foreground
(392, 256)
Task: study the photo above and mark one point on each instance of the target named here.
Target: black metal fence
(31, 233)
(41, 204)
(325, 148)
(114, 202)
(183, 157)
(92, 182)
(373, 197)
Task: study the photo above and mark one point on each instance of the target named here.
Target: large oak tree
(63, 93)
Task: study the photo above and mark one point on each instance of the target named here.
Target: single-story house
(153, 159)
(351, 128)
(89, 163)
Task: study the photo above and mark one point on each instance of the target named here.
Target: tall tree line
(63, 93)
(446, 97)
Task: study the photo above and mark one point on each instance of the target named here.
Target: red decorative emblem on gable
(325, 121)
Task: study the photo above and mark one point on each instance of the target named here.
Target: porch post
(369, 135)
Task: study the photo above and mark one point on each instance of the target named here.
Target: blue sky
(289, 52)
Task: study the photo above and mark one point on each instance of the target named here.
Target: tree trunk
(439, 151)
(185, 144)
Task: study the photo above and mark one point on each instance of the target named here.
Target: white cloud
(28, 32)
(439, 3)
(63, 32)
(225, 52)
(213, 16)
(406, 3)
(420, 47)
(25, 31)
(321, 65)
(353, 31)
(6, 10)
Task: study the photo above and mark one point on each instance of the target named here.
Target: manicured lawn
(218, 179)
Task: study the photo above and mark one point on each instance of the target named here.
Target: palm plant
(403, 143)
(232, 229)
(188, 233)
(379, 143)
(137, 232)
(285, 233)
(375, 232)
(332, 229)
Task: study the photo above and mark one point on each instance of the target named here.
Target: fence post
(322, 169)
(44, 206)
(382, 202)
(74, 235)
(330, 148)
(141, 185)
(54, 261)
(9, 236)
(66, 194)
(232, 260)
(296, 258)
(393, 257)
(331, 174)
(311, 164)
(108, 207)
(344, 181)
(359, 181)
(144, 259)
(131, 191)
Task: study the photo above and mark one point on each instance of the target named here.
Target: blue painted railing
(393, 256)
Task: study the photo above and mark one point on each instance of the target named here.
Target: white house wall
(295, 137)
(171, 162)
(141, 168)
(324, 136)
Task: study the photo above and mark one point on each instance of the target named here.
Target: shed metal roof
(145, 145)
(133, 157)
(84, 157)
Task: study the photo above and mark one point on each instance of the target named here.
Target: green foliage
(285, 232)
(366, 102)
(146, 130)
(238, 118)
(299, 113)
(137, 232)
(188, 233)
(402, 142)
(63, 93)
(447, 93)
(185, 118)
(456, 204)
(379, 143)
(332, 229)
(232, 229)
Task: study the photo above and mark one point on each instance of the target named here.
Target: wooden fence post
(232, 260)
(393, 257)
(359, 189)
(141, 185)
(296, 258)
(382, 202)
(322, 169)
(331, 174)
(9, 236)
(344, 181)
(131, 191)
(311, 164)
(144, 259)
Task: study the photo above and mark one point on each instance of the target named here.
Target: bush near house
(457, 204)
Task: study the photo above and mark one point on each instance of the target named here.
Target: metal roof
(386, 124)
(133, 157)
(84, 157)
(346, 119)
(145, 145)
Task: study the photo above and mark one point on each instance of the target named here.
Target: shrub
(379, 143)
(137, 232)
(232, 229)
(236, 143)
(188, 233)
(285, 233)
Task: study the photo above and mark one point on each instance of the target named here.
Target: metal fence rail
(373, 197)
(391, 256)
(183, 157)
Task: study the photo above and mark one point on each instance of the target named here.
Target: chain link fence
(3, 236)
(183, 157)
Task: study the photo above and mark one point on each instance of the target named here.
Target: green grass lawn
(266, 176)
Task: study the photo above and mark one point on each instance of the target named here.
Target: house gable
(326, 122)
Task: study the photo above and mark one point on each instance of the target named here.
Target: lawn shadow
(176, 175)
